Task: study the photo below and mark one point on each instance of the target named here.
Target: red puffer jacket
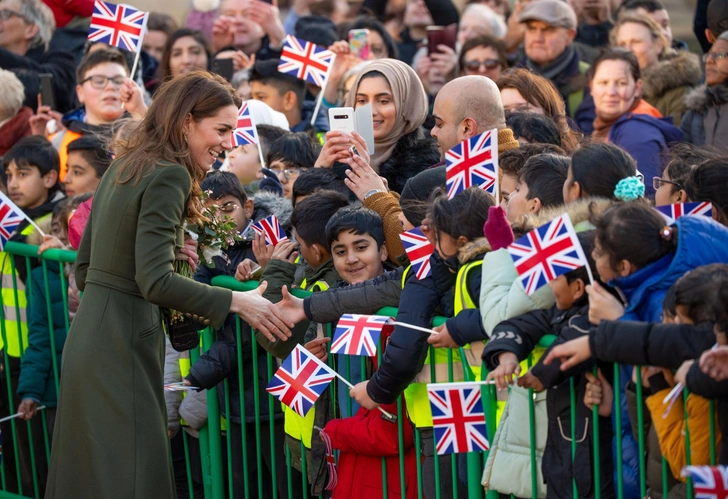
(363, 440)
(65, 10)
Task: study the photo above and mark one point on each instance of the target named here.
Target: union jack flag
(272, 229)
(358, 334)
(306, 61)
(117, 25)
(10, 218)
(672, 212)
(547, 252)
(709, 482)
(300, 380)
(419, 250)
(330, 462)
(458, 418)
(245, 132)
(473, 163)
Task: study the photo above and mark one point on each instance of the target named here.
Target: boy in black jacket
(514, 339)
(221, 361)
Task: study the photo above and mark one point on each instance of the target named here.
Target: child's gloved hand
(497, 230)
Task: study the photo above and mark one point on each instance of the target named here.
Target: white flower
(209, 253)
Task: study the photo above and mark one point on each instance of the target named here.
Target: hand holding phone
(47, 92)
(440, 35)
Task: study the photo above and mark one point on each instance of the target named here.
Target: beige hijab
(410, 101)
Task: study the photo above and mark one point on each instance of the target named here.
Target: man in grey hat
(550, 52)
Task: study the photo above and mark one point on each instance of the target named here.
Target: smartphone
(223, 67)
(440, 35)
(257, 272)
(359, 43)
(47, 92)
(341, 119)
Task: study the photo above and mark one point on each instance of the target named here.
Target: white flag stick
(14, 207)
(392, 322)
(139, 51)
(260, 153)
(320, 97)
(18, 414)
(35, 226)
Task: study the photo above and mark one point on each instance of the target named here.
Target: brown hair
(487, 42)
(98, 57)
(540, 92)
(160, 137)
(196, 35)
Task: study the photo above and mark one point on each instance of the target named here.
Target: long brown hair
(160, 136)
(540, 92)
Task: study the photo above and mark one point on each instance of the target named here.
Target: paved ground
(681, 19)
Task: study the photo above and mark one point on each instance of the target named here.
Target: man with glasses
(100, 77)
(26, 27)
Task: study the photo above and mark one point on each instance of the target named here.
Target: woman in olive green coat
(110, 436)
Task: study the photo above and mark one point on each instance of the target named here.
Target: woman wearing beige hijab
(399, 108)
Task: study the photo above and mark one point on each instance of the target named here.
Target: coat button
(195, 316)
(206, 322)
(188, 315)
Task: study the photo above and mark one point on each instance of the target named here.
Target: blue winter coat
(701, 241)
(645, 138)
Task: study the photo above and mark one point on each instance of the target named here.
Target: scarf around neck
(602, 126)
(554, 70)
(410, 101)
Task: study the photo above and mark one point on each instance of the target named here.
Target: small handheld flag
(458, 419)
(300, 380)
(118, 25)
(358, 334)
(473, 163)
(709, 482)
(547, 252)
(330, 461)
(245, 132)
(10, 218)
(306, 61)
(272, 229)
(672, 212)
(419, 250)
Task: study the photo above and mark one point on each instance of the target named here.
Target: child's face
(271, 96)
(571, 191)
(245, 164)
(357, 258)
(566, 294)
(81, 176)
(26, 187)
(59, 228)
(518, 203)
(287, 176)
(507, 186)
(664, 195)
(103, 105)
(682, 315)
(604, 266)
(312, 254)
(230, 206)
(446, 245)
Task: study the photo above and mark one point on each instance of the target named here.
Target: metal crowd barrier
(208, 470)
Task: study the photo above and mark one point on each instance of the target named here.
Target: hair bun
(629, 189)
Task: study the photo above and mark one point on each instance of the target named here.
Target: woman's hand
(223, 32)
(29, 408)
(600, 393)
(528, 380)
(189, 250)
(318, 348)
(50, 242)
(344, 61)
(263, 252)
(422, 68)
(714, 363)
(508, 367)
(362, 178)
(132, 99)
(261, 314)
(291, 307)
(40, 120)
(336, 148)
(442, 339)
(571, 353)
(603, 306)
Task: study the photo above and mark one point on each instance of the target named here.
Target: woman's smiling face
(375, 90)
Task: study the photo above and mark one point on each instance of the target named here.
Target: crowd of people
(599, 112)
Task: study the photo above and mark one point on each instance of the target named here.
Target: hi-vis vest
(418, 404)
(301, 428)
(15, 313)
(185, 364)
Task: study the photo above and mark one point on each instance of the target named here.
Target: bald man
(466, 107)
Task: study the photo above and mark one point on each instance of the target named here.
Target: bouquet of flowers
(214, 234)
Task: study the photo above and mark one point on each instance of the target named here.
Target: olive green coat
(110, 436)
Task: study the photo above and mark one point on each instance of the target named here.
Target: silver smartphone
(342, 119)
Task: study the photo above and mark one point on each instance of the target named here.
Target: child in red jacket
(364, 439)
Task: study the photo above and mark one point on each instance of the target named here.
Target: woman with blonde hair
(110, 435)
(667, 75)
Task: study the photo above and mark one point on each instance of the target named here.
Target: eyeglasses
(6, 14)
(287, 173)
(99, 82)
(658, 181)
(716, 56)
(473, 66)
